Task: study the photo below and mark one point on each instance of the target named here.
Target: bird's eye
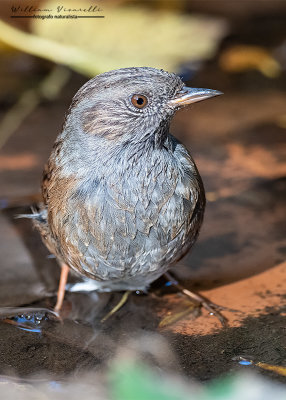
(139, 100)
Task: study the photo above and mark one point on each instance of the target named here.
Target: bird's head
(132, 105)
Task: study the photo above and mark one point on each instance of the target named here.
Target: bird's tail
(36, 214)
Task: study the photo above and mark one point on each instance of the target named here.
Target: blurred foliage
(76, 59)
(281, 121)
(48, 89)
(242, 58)
(127, 379)
(127, 36)
(133, 381)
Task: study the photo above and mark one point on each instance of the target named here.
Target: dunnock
(123, 199)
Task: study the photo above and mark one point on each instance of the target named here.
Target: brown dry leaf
(126, 37)
(243, 58)
(136, 36)
(275, 368)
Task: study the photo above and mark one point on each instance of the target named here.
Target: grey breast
(139, 221)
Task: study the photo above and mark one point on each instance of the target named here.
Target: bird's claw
(213, 309)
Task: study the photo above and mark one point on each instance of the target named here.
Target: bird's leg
(212, 308)
(120, 304)
(62, 286)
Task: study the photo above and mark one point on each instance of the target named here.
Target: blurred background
(48, 50)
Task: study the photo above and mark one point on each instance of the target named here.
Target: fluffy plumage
(123, 199)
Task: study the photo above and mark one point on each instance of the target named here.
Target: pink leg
(62, 287)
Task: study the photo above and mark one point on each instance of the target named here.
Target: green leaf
(130, 381)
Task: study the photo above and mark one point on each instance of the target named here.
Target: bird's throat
(160, 135)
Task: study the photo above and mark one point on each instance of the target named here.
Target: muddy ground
(238, 142)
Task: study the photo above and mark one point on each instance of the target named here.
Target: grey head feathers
(104, 109)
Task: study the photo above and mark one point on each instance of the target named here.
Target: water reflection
(26, 318)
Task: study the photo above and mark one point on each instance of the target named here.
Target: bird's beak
(191, 95)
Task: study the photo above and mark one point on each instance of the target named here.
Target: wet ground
(238, 142)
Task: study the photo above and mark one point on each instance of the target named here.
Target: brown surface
(248, 298)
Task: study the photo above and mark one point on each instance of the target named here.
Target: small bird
(122, 198)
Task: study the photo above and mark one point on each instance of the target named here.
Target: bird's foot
(213, 309)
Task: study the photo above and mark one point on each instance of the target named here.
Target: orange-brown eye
(139, 101)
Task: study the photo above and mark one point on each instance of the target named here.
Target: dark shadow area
(258, 339)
